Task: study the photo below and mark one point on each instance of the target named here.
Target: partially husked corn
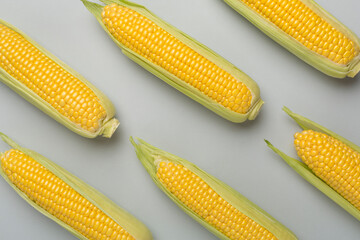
(197, 195)
(148, 39)
(59, 89)
(58, 198)
(333, 161)
(66, 199)
(215, 205)
(179, 60)
(330, 162)
(306, 30)
(307, 27)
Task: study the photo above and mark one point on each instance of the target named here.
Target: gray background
(150, 109)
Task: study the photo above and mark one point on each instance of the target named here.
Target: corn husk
(150, 156)
(174, 81)
(314, 59)
(107, 126)
(306, 172)
(133, 226)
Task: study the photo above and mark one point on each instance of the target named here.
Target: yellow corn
(58, 198)
(51, 82)
(333, 161)
(197, 195)
(306, 30)
(55, 86)
(307, 27)
(146, 38)
(330, 162)
(212, 203)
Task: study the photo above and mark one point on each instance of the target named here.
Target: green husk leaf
(314, 59)
(149, 155)
(306, 124)
(309, 176)
(174, 81)
(306, 172)
(108, 125)
(136, 228)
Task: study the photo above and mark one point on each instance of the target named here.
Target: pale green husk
(108, 125)
(133, 226)
(291, 44)
(306, 172)
(174, 81)
(149, 157)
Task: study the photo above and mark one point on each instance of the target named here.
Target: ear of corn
(52, 86)
(306, 30)
(65, 199)
(179, 60)
(215, 205)
(332, 174)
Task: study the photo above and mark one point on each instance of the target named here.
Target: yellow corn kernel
(56, 197)
(72, 98)
(146, 38)
(301, 22)
(197, 195)
(333, 161)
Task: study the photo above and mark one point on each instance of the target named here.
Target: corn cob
(331, 163)
(52, 86)
(306, 30)
(179, 60)
(215, 205)
(64, 198)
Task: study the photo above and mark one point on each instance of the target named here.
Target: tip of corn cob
(255, 109)
(110, 127)
(355, 70)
